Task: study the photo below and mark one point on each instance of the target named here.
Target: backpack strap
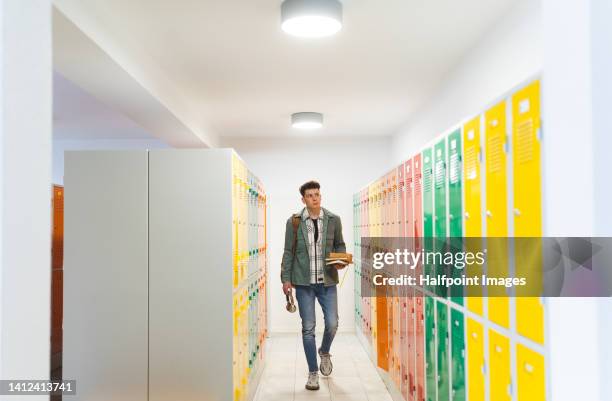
(295, 221)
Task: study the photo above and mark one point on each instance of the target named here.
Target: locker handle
(489, 214)
(528, 367)
(517, 212)
(467, 215)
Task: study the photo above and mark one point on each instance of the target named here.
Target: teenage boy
(317, 233)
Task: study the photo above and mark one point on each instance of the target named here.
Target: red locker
(401, 193)
(403, 295)
(420, 346)
(417, 205)
(397, 307)
(409, 202)
(408, 343)
(394, 202)
(404, 342)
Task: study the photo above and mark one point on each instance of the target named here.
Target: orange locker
(410, 361)
(382, 328)
(57, 280)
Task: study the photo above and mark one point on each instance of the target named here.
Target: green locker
(428, 210)
(440, 225)
(455, 222)
(443, 352)
(430, 349)
(440, 188)
(457, 356)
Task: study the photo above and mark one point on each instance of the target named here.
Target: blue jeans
(328, 299)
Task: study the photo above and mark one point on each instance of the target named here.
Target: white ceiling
(77, 114)
(232, 63)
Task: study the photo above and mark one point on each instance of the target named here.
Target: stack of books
(339, 260)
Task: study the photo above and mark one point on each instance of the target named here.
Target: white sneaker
(313, 381)
(326, 364)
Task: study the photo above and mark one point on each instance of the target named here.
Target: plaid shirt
(317, 263)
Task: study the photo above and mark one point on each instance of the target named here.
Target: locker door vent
(524, 141)
(495, 156)
(471, 163)
(455, 168)
(427, 180)
(440, 174)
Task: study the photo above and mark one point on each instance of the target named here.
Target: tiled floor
(354, 377)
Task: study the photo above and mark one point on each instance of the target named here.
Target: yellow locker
(497, 210)
(475, 361)
(527, 202)
(244, 339)
(235, 352)
(527, 169)
(530, 318)
(473, 208)
(498, 305)
(500, 383)
(245, 227)
(530, 374)
(235, 256)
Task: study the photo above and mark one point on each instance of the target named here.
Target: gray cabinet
(165, 275)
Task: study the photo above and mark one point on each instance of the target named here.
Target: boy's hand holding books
(339, 260)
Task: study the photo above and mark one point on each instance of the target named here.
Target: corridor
(354, 377)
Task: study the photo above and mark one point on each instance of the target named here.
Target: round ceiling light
(311, 18)
(307, 120)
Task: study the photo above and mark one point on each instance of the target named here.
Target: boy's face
(312, 198)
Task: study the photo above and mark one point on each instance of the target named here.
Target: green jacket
(298, 271)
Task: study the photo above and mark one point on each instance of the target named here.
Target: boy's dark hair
(309, 185)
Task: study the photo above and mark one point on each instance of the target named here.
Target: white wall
(576, 101)
(25, 233)
(61, 145)
(601, 31)
(509, 54)
(342, 167)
